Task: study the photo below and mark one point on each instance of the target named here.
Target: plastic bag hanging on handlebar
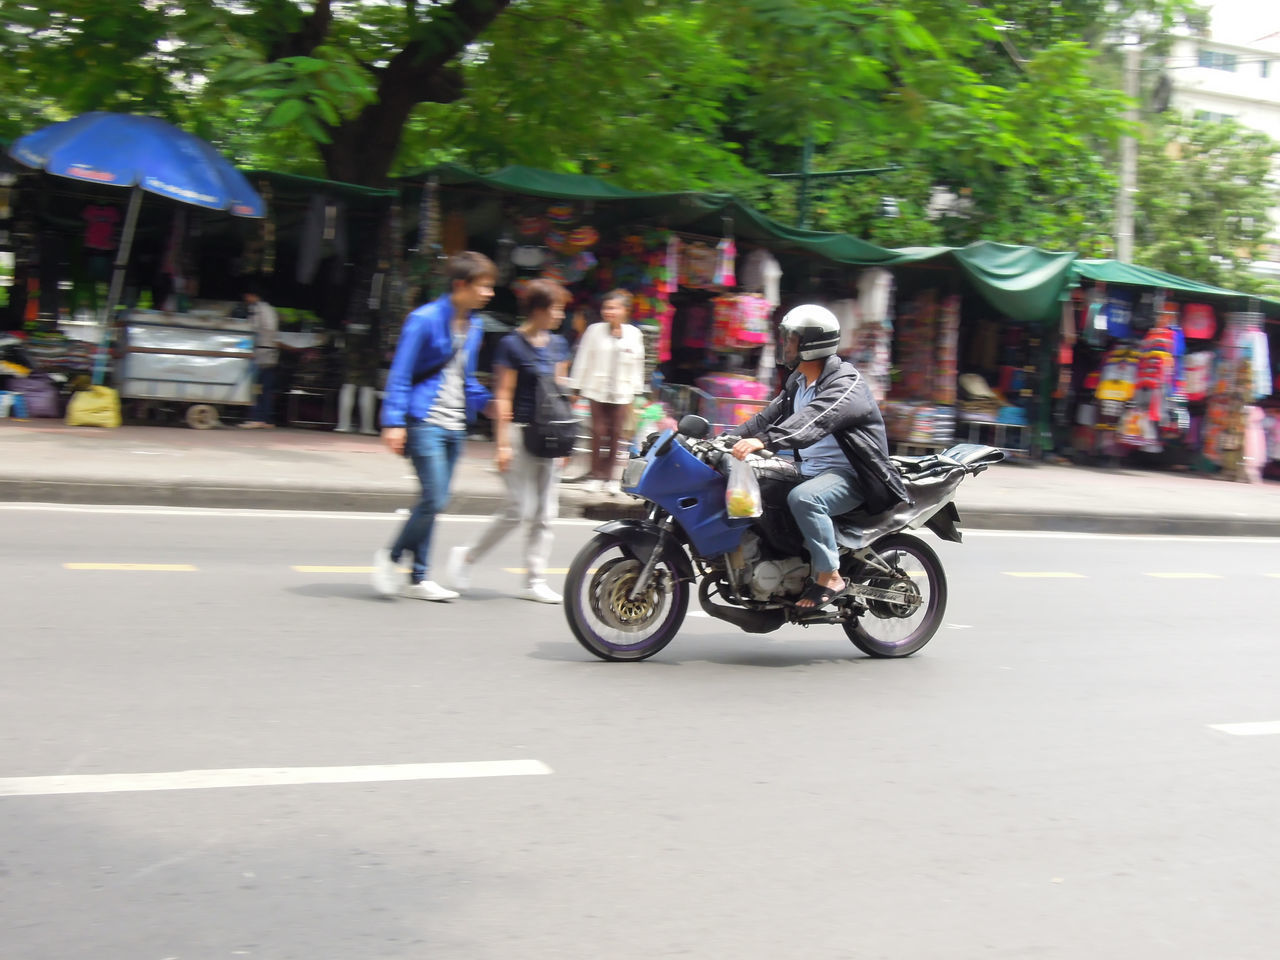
(742, 496)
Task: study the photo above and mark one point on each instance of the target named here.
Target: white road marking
(265, 777)
(1256, 729)
(221, 512)
(1065, 535)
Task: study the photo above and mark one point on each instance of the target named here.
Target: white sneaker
(458, 570)
(387, 578)
(539, 592)
(614, 488)
(593, 488)
(429, 590)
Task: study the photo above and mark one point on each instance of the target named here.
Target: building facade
(1232, 71)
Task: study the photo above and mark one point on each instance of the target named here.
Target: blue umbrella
(130, 151)
(143, 153)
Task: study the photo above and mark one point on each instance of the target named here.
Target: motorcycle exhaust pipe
(749, 621)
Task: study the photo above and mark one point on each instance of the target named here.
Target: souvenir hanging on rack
(268, 230)
(726, 257)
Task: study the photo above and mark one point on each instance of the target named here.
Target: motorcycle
(627, 591)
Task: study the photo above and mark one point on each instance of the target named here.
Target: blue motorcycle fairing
(693, 493)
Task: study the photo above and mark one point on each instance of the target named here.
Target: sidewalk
(47, 461)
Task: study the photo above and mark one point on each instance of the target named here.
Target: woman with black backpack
(529, 365)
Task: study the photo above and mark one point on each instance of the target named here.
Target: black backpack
(552, 431)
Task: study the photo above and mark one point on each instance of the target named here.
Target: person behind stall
(533, 496)
(608, 370)
(266, 357)
(431, 393)
(828, 416)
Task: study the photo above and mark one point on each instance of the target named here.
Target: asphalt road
(1046, 779)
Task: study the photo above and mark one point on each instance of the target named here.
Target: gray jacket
(843, 406)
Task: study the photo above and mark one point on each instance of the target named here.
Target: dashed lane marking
(1256, 729)
(265, 777)
(1186, 576)
(1045, 575)
(134, 567)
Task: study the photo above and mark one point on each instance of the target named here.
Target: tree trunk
(363, 149)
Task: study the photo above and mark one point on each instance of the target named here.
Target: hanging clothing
(324, 234)
(100, 226)
(726, 255)
(875, 295)
(761, 273)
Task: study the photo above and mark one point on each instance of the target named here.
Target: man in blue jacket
(431, 394)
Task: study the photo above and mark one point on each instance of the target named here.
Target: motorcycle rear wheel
(887, 631)
(600, 612)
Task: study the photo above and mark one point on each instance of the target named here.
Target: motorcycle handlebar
(725, 444)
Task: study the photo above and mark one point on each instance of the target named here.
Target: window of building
(1217, 60)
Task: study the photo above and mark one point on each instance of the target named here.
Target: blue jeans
(264, 407)
(813, 504)
(434, 452)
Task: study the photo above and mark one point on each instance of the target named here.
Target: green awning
(1129, 274)
(1021, 283)
(299, 183)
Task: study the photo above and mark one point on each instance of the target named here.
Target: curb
(189, 494)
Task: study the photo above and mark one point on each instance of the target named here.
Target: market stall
(1167, 369)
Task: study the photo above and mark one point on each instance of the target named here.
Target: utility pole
(1128, 154)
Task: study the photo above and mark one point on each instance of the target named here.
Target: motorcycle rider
(827, 416)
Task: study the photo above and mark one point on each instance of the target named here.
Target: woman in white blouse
(608, 370)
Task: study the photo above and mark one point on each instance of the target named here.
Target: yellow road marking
(1186, 576)
(145, 567)
(1046, 576)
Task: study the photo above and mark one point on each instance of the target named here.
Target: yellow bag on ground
(94, 407)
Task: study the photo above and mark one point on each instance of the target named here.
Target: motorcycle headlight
(633, 471)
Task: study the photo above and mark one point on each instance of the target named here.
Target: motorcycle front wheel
(899, 630)
(598, 604)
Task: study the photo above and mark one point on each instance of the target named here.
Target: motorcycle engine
(766, 576)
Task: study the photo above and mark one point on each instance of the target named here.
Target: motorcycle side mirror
(692, 425)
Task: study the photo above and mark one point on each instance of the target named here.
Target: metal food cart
(199, 361)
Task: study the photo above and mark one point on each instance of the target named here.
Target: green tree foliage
(1009, 109)
(1204, 202)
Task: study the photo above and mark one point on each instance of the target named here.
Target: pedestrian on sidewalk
(431, 393)
(533, 483)
(608, 371)
(266, 357)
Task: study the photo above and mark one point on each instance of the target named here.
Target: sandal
(819, 595)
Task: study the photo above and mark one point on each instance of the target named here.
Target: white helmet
(817, 328)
